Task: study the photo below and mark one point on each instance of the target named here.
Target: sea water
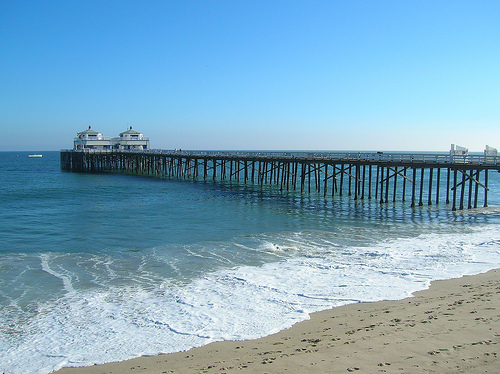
(99, 268)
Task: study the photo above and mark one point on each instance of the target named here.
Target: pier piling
(358, 175)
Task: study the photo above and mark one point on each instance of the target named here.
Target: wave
(111, 312)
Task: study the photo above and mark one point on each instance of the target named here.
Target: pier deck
(459, 180)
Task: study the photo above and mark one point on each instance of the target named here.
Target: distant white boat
(35, 155)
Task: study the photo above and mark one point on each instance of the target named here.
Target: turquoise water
(99, 268)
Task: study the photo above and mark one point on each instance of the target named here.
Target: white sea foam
(65, 279)
(151, 316)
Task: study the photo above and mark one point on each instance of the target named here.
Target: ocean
(100, 268)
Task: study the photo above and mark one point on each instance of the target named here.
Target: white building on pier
(128, 140)
(131, 140)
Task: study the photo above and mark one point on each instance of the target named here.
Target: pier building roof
(129, 131)
(89, 133)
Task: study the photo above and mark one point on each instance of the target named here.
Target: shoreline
(451, 327)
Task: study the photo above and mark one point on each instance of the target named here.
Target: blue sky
(252, 75)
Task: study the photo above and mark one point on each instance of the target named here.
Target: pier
(419, 179)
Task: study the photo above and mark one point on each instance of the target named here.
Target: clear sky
(252, 75)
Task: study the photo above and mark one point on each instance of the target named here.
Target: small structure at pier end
(128, 140)
(91, 139)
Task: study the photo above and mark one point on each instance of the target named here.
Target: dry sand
(454, 327)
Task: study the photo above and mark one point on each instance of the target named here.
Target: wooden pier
(420, 179)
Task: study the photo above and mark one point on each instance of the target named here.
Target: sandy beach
(453, 327)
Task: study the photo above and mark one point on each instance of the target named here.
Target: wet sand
(453, 327)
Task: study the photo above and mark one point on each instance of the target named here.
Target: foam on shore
(149, 316)
(452, 327)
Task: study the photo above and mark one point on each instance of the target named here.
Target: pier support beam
(311, 173)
